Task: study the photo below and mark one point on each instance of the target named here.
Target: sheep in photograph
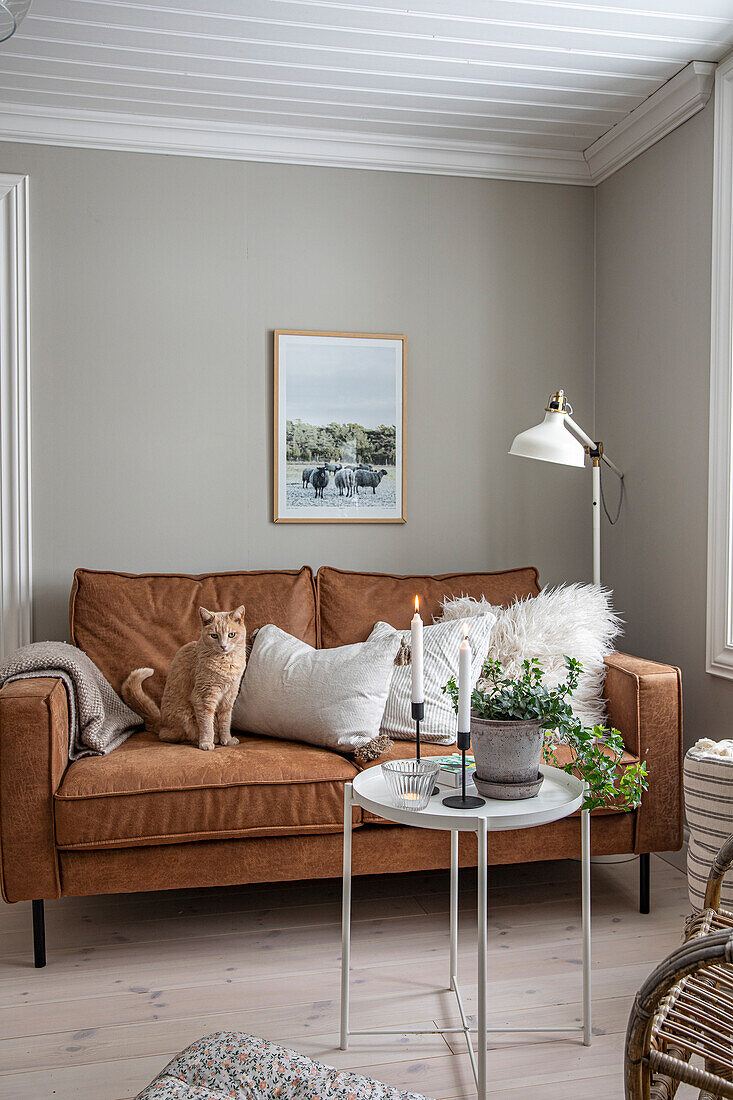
(344, 481)
(333, 467)
(319, 480)
(307, 475)
(367, 478)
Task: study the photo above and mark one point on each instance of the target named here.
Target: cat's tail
(139, 700)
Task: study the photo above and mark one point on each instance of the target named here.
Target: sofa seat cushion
(147, 792)
(349, 604)
(125, 620)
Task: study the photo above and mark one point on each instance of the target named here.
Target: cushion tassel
(373, 749)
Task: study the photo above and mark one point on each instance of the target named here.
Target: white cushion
(574, 620)
(440, 661)
(328, 697)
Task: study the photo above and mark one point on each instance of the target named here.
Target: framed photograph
(339, 427)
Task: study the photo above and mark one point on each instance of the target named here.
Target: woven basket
(708, 783)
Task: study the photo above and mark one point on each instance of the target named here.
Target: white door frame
(720, 477)
(15, 486)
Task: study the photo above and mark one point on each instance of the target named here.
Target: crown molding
(671, 105)
(666, 109)
(288, 145)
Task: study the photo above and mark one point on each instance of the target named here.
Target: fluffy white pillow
(573, 619)
(440, 662)
(329, 697)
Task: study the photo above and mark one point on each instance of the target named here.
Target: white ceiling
(537, 80)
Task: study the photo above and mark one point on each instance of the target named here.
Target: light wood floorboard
(131, 980)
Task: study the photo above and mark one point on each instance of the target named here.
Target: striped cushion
(708, 783)
(440, 661)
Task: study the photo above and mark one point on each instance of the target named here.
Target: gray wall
(653, 348)
(156, 283)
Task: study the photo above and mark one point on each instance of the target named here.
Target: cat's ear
(206, 616)
(238, 615)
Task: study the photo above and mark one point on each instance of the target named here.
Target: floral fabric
(233, 1066)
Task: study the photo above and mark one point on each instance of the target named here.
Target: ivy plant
(595, 751)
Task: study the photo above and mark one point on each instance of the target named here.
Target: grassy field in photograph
(300, 497)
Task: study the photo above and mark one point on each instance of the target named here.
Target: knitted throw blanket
(99, 721)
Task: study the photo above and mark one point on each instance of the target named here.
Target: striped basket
(708, 782)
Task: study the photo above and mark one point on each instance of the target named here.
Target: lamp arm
(613, 466)
(582, 436)
(586, 439)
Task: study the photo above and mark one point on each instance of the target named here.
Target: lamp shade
(549, 441)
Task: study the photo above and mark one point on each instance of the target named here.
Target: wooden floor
(132, 979)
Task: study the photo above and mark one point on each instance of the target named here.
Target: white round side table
(560, 795)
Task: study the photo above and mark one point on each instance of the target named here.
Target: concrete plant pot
(508, 756)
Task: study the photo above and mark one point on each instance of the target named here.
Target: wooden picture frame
(339, 427)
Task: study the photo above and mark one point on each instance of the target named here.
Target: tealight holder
(410, 782)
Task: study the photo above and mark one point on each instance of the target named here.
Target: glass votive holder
(410, 782)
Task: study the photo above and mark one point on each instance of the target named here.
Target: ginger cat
(202, 684)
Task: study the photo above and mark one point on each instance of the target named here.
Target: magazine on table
(449, 774)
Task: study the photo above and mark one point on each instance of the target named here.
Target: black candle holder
(418, 713)
(463, 801)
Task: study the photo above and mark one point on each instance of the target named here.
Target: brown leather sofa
(153, 816)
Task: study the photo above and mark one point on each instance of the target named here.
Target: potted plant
(512, 721)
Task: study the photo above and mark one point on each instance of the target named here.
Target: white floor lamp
(559, 439)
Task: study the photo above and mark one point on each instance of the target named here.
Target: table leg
(453, 908)
(585, 851)
(482, 942)
(346, 920)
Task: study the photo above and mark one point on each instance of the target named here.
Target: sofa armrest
(34, 753)
(644, 702)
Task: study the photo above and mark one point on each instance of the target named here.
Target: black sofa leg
(644, 883)
(39, 934)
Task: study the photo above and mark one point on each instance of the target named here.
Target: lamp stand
(596, 460)
(595, 453)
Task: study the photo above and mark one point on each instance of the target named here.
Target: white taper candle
(465, 687)
(416, 640)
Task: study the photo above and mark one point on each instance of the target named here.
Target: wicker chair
(684, 1010)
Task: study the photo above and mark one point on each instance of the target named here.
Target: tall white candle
(417, 655)
(465, 687)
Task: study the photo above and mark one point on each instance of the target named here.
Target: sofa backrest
(125, 621)
(350, 603)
